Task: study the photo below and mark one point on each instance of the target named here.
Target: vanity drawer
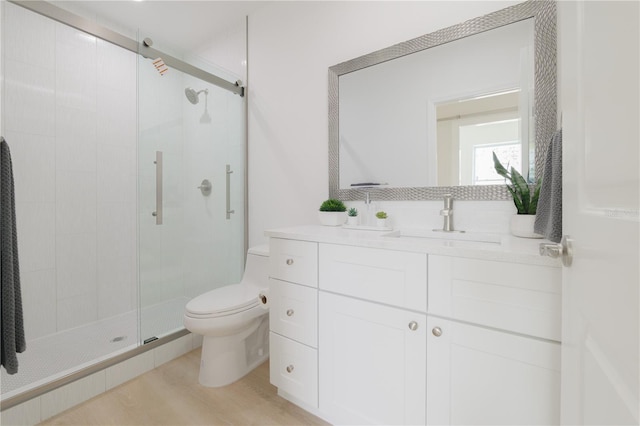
(294, 311)
(392, 277)
(293, 368)
(294, 261)
(510, 296)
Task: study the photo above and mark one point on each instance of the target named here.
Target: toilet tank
(256, 270)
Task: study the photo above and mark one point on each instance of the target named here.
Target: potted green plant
(352, 216)
(525, 200)
(332, 212)
(381, 219)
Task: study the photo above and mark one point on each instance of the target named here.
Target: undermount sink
(417, 234)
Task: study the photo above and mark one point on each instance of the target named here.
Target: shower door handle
(158, 213)
(229, 211)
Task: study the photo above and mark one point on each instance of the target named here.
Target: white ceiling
(182, 24)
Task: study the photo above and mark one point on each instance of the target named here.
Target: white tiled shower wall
(70, 121)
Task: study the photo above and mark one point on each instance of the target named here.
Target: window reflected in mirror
(469, 132)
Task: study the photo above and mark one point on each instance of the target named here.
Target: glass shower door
(191, 160)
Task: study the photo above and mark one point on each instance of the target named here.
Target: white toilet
(234, 322)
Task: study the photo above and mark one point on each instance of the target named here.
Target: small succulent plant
(352, 212)
(381, 215)
(332, 205)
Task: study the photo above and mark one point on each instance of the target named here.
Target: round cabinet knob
(289, 261)
(413, 326)
(289, 312)
(437, 331)
(263, 299)
(289, 368)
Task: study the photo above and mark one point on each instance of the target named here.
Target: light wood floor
(171, 395)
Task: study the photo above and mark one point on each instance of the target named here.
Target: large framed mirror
(422, 118)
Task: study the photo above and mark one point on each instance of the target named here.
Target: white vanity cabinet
(293, 316)
(372, 335)
(495, 359)
(377, 332)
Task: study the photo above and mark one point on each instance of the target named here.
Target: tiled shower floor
(51, 357)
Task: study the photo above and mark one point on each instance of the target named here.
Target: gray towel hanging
(12, 333)
(549, 213)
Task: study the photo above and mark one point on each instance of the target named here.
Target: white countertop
(508, 249)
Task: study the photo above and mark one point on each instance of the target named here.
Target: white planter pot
(521, 225)
(381, 223)
(332, 218)
(352, 220)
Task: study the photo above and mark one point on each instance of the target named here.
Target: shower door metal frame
(89, 27)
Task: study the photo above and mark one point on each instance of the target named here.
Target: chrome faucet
(367, 203)
(447, 213)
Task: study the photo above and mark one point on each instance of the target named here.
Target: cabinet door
(371, 362)
(482, 376)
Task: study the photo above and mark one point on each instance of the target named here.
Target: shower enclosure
(191, 155)
(130, 196)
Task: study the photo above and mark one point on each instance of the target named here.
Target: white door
(599, 74)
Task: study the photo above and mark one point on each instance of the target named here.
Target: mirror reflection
(433, 118)
(470, 130)
(384, 125)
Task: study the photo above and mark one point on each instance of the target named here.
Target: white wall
(291, 47)
(70, 120)
(228, 51)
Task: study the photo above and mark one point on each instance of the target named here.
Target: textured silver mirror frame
(545, 91)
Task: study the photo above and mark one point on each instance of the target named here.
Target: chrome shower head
(193, 96)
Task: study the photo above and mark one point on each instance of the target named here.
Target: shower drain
(118, 339)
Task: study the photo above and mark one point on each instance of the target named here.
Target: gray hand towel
(549, 213)
(12, 328)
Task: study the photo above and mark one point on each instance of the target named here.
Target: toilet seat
(223, 301)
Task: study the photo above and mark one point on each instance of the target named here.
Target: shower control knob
(289, 261)
(437, 331)
(289, 312)
(413, 326)
(205, 187)
(289, 368)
